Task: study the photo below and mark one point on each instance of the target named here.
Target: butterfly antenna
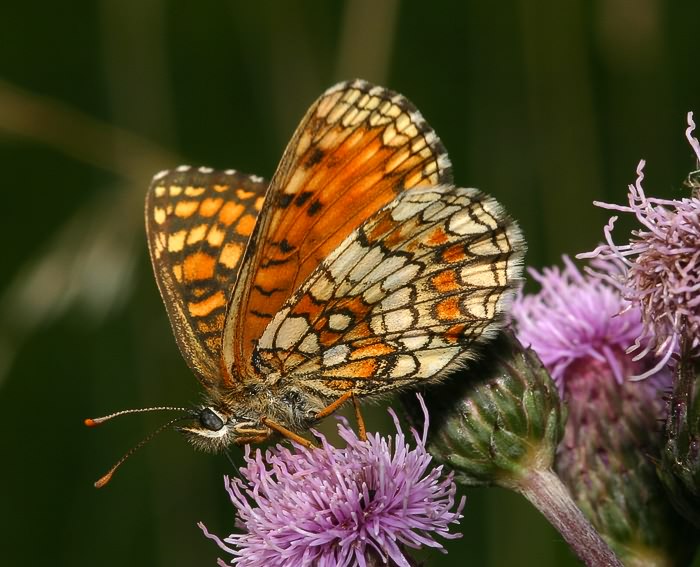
(94, 422)
(107, 477)
(233, 463)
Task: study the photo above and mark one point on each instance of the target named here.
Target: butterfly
(358, 270)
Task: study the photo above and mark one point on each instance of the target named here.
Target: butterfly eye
(209, 420)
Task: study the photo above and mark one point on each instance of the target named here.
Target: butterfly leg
(361, 429)
(287, 433)
(328, 410)
(332, 407)
(249, 439)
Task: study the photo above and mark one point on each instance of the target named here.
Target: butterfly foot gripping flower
(581, 327)
(500, 424)
(334, 507)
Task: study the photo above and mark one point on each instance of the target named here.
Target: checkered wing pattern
(358, 147)
(198, 223)
(407, 295)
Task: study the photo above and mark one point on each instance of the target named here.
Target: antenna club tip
(104, 480)
(91, 422)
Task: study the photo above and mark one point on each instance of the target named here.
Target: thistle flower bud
(495, 429)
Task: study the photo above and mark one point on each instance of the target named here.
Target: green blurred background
(546, 105)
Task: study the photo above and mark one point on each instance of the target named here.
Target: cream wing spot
(339, 321)
(405, 365)
(430, 362)
(397, 299)
(310, 344)
(230, 254)
(390, 265)
(296, 182)
(484, 247)
(322, 288)
(402, 122)
(290, 332)
(463, 223)
(191, 191)
(483, 276)
(366, 264)
(399, 320)
(159, 215)
(374, 100)
(442, 212)
(415, 343)
(216, 236)
(176, 241)
(376, 325)
(267, 339)
(413, 205)
(407, 273)
(337, 112)
(336, 355)
(395, 161)
(481, 303)
(346, 260)
(326, 104)
(352, 96)
(373, 294)
(197, 234)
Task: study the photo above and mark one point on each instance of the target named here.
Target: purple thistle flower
(661, 263)
(331, 507)
(576, 317)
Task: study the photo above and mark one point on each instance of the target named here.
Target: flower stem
(547, 493)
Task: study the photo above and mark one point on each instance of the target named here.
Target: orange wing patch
(358, 147)
(196, 240)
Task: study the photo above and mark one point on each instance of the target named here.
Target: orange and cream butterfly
(360, 269)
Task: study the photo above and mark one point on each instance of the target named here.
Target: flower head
(662, 266)
(576, 317)
(334, 507)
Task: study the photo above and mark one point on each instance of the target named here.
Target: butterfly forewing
(198, 223)
(407, 295)
(358, 147)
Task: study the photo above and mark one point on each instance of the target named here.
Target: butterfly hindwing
(358, 147)
(407, 295)
(198, 223)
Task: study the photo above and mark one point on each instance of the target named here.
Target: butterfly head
(215, 428)
(251, 415)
